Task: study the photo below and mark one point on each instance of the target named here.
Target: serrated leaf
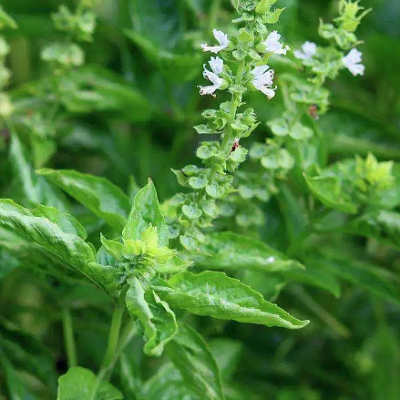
(189, 353)
(154, 314)
(216, 295)
(231, 251)
(144, 213)
(98, 194)
(79, 384)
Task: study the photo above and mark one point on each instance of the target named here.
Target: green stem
(324, 315)
(214, 12)
(113, 338)
(112, 346)
(69, 339)
(227, 139)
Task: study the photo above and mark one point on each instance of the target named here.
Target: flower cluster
(306, 99)
(79, 26)
(62, 57)
(238, 65)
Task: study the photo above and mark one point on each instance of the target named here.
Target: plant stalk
(69, 339)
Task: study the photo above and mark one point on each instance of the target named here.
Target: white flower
(353, 62)
(263, 80)
(222, 40)
(273, 45)
(308, 50)
(217, 66)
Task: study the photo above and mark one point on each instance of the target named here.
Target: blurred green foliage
(130, 113)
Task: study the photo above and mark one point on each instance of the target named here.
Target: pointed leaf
(194, 360)
(146, 212)
(98, 194)
(168, 384)
(218, 296)
(64, 244)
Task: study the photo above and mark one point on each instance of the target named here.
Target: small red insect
(235, 145)
(313, 111)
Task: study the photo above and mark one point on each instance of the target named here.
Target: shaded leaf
(378, 281)
(189, 353)
(98, 194)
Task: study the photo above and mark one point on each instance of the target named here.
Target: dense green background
(351, 350)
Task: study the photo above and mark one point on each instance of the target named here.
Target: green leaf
(94, 88)
(230, 251)
(273, 18)
(16, 387)
(216, 191)
(227, 353)
(218, 296)
(376, 280)
(176, 67)
(154, 314)
(6, 20)
(65, 54)
(316, 276)
(329, 191)
(67, 223)
(79, 384)
(189, 353)
(383, 225)
(263, 6)
(99, 195)
(146, 212)
(23, 171)
(27, 354)
(168, 384)
(112, 247)
(66, 245)
(34, 189)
